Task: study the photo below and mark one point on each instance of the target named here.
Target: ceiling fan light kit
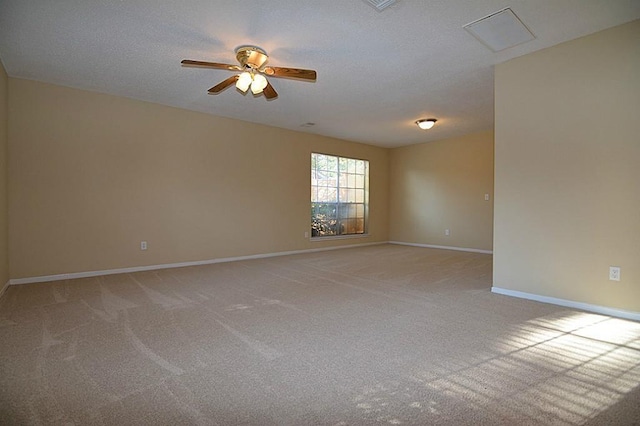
(252, 62)
(426, 123)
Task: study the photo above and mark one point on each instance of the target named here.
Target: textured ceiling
(377, 71)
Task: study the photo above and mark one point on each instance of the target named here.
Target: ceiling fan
(253, 64)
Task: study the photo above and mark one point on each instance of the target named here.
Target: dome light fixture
(426, 123)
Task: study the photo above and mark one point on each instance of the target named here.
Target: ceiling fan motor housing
(251, 56)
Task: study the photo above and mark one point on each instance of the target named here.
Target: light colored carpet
(376, 335)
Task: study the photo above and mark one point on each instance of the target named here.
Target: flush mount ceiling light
(426, 123)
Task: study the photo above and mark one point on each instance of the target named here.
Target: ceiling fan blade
(269, 91)
(290, 73)
(189, 62)
(223, 85)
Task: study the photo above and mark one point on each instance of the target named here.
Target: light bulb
(244, 80)
(259, 83)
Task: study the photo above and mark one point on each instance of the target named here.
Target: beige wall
(567, 149)
(4, 249)
(441, 185)
(92, 175)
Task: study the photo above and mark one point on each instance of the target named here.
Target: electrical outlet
(614, 273)
(306, 234)
(143, 245)
(446, 232)
(486, 197)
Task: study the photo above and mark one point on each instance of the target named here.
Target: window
(339, 195)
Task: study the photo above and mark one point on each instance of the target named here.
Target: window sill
(339, 237)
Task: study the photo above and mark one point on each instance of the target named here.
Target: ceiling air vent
(500, 30)
(380, 5)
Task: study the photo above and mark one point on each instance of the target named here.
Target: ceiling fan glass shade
(244, 81)
(427, 123)
(259, 83)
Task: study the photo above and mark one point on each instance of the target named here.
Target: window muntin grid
(339, 195)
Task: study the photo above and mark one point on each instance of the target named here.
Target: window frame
(339, 205)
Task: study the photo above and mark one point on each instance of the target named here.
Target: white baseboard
(635, 316)
(4, 287)
(58, 277)
(472, 250)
